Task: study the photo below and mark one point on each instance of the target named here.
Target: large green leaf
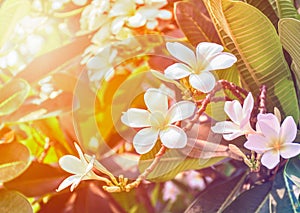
(14, 160)
(13, 94)
(11, 11)
(218, 195)
(14, 202)
(39, 179)
(266, 8)
(286, 9)
(251, 37)
(289, 32)
(271, 196)
(171, 163)
(194, 21)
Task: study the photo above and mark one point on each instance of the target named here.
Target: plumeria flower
(101, 66)
(170, 192)
(240, 119)
(80, 168)
(208, 57)
(274, 140)
(158, 121)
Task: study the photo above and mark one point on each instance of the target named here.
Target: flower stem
(262, 99)
(236, 90)
(148, 170)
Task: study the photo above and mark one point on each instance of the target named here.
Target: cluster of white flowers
(270, 139)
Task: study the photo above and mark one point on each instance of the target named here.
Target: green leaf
(292, 170)
(251, 37)
(11, 11)
(39, 179)
(266, 8)
(171, 163)
(289, 33)
(251, 200)
(13, 95)
(286, 9)
(216, 196)
(194, 21)
(271, 196)
(14, 160)
(14, 202)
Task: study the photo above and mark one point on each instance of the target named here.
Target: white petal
(177, 71)
(173, 137)
(222, 61)
(268, 124)
(156, 100)
(257, 143)
(72, 164)
(148, 12)
(225, 127)
(97, 63)
(181, 111)
(288, 130)
(81, 156)
(117, 25)
(136, 21)
(67, 182)
(234, 111)
(122, 7)
(248, 105)
(205, 50)
(204, 82)
(290, 150)
(79, 2)
(164, 14)
(151, 24)
(270, 159)
(145, 140)
(233, 135)
(182, 53)
(136, 118)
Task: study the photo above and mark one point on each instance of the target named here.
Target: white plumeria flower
(208, 57)
(81, 169)
(273, 141)
(170, 191)
(158, 121)
(101, 66)
(240, 119)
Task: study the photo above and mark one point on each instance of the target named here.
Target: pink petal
(290, 150)
(173, 137)
(156, 100)
(288, 130)
(206, 50)
(268, 124)
(136, 118)
(181, 111)
(270, 159)
(177, 71)
(222, 61)
(257, 143)
(182, 53)
(204, 82)
(145, 140)
(234, 111)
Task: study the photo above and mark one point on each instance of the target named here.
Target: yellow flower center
(158, 120)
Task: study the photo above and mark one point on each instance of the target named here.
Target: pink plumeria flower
(170, 192)
(274, 141)
(158, 121)
(208, 57)
(79, 167)
(240, 119)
